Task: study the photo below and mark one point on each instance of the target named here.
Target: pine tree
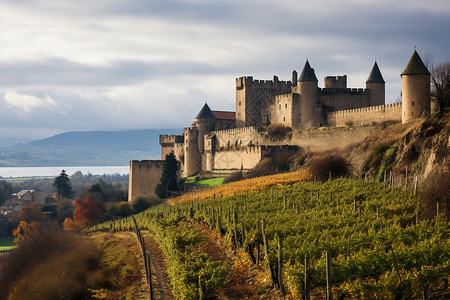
(63, 186)
(169, 181)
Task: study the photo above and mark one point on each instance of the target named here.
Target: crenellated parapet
(366, 115)
(144, 176)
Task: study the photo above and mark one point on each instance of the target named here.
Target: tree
(440, 83)
(169, 181)
(63, 186)
(5, 191)
(88, 212)
(24, 230)
(31, 213)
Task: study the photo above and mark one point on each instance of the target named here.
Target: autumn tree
(24, 230)
(169, 181)
(63, 186)
(88, 212)
(31, 213)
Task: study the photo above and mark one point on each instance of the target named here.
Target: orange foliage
(243, 186)
(88, 212)
(23, 231)
(70, 225)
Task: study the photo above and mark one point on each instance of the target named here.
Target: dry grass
(243, 186)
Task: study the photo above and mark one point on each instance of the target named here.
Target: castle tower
(376, 86)
(192, 157)
(308, 90)
(205, 122)
(415, 90)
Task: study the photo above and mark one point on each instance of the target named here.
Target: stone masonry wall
(366, 115)
(144, 176)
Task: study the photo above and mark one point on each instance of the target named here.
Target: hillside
(363, 224)
(86, 148)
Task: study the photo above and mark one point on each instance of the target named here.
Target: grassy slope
(320, 217)
(6, 243)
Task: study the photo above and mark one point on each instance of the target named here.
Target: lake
(7, 172)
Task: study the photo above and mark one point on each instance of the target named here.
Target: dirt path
(160, 279)
(245, 281)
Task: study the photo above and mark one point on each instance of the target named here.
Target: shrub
(278, 131)
(436, 190)
(50, 264)
(141, 203)
(322, 166)
(235, 176)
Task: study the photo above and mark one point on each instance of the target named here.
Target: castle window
(186, 149)
(239, 103)
(285, 105)
(413, 103)
(284, 119)
(279, 106)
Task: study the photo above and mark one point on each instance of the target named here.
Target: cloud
(116, 64)
(27, 103)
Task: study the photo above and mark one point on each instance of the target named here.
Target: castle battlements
(239, 130)
(249, 81)
(378, 108)
(170, 139)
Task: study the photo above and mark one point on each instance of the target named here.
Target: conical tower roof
(375, 75)
(205, 113)
(415, 66)
(308, 73)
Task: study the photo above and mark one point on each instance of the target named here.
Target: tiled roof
(224, 115)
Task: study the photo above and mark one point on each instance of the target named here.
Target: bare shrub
(321, 167)
(235, 176)
(436, 190)
(51, 264)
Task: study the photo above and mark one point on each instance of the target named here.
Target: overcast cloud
(116, 64)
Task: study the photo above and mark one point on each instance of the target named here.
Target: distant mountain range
(86, 148)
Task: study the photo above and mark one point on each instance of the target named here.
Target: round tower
(415, 90)
(205, 122)
(192, 158)
(307, 88)
(375, 84)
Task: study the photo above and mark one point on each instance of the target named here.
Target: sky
(135, 64)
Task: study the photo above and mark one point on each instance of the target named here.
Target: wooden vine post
(280, 265)
(329, 278)
(307, 282)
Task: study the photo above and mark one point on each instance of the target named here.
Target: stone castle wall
(366, 115)
(246, 158)
(238, 137)
(144, 176)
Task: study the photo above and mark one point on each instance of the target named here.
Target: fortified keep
(221, 140)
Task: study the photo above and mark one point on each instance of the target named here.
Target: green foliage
(63, 186)
(169, 181)
(139, 204)
(5, 191)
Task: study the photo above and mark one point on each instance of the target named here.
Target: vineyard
(378, 245)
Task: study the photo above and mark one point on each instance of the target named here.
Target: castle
(221, 140)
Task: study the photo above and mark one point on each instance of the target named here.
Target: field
(379, 246)
(6, 243)
(210, 182)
